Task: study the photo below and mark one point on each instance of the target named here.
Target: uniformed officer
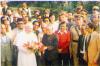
(75, 32)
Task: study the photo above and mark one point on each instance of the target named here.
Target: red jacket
(64, 41)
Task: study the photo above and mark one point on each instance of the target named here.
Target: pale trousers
(74, 48)
(6, 55)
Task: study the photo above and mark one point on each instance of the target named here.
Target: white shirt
(55, 26)
(15, 32)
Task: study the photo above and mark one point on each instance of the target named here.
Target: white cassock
(25, 57)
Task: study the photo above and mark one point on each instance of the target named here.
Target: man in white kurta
(25, 56)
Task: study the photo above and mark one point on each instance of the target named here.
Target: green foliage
(56, 6)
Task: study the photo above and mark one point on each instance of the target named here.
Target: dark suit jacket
(4, 10)
(50, 41)
(80, 45)
(13, 25)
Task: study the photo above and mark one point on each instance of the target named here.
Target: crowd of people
(33, 38)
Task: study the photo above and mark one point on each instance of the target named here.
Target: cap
(80, 6)
(95, 7)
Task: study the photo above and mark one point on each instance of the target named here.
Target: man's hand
(59, 50)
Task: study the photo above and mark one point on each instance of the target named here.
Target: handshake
(33, 47)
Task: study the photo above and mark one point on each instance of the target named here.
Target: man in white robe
(26, 57)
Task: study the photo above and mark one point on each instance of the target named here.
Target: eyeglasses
(62, 26)
(46, 20)
(36, 25)
(3, 28)
(20, 23)
(87, 28)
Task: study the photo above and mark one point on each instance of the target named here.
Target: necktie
(84, 42)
